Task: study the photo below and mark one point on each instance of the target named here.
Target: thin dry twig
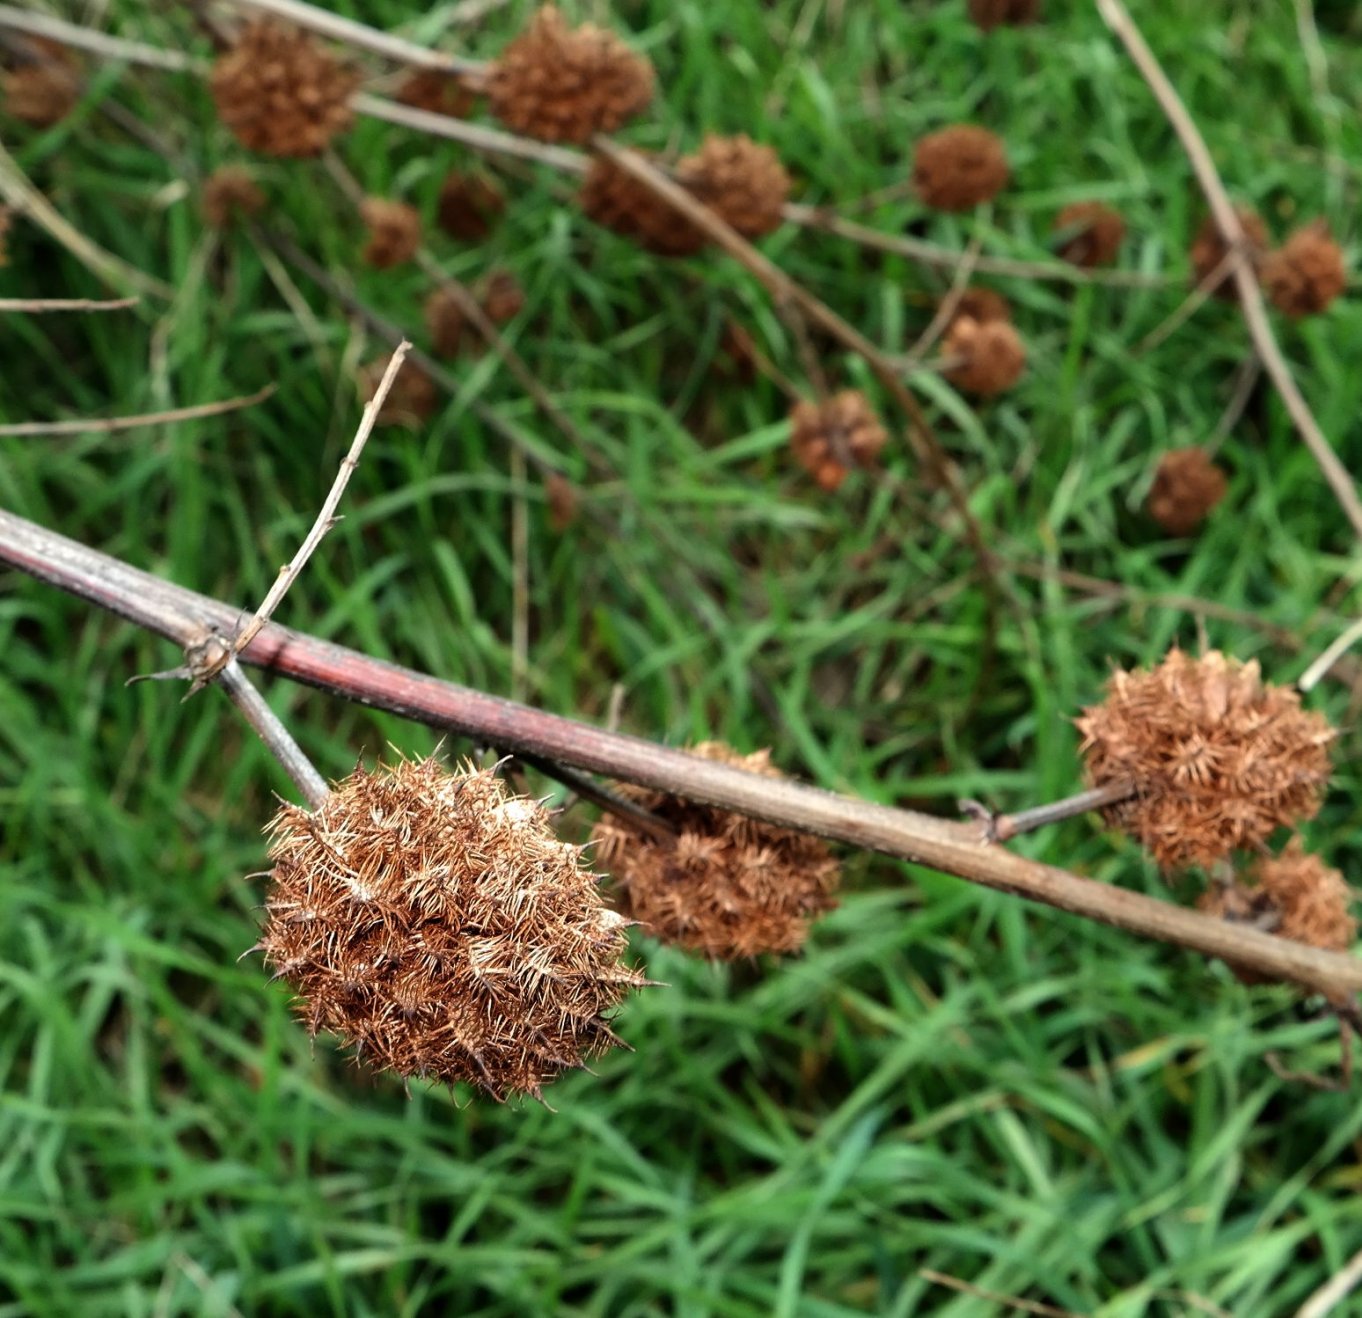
(272, 731)
(994, 1297)
(945, 312)
(41, 305)
(326, 517)
(1318, 670)
(109, 425)
(1250, 294)
(1188, 307)
(1334, 1291)
(1245, 382)
(96, 42)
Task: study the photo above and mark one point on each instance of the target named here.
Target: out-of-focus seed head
(562, 498)
(394, 232)
(724, 885)
(988, 356)
(280, 92)
(959, 168)
(982, 304)
(437, 924)
(1209, 248)
(564, 84)
(469, 206)
(501, 296)
(1306, 273)
(230, 193)
(831, 437)
(44, 86)
(988, 14)
(445, 323)
(1187, 485)
(437, 92)
(1220, 759)
(1092, 233)
(742, 181)
(619, 202)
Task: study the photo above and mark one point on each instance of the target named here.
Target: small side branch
(110, 425)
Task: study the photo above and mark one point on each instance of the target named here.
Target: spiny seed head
(561, 496)
(44, 87)
(469, 206)
(959, 168)
(743, 182)
(724, 885)
(834, 435)
(563, 84)
(230, 192)
(1220, 759)
(983, 305)
(1209, 248)
(445, 323)
(1092, 233)
(989, 356)
(1306, 273)
(436, 92)
(280, 93)
(988, 14)
(412, 398)
(436, 922)
(619, 202)
(1186, 487)
(394, 232)
(501, 296)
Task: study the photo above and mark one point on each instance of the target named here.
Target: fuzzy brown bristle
(1187, 485)
(721, 884)
(436, 92)
(619, 202)
(412, 398)
(1092, 233)
(959, 168)
(281, 93)
(988, 14)
(563, 84)
(1220, 759)
(988, 356)
(230, 193)
(437, 923)
(469, 206)
(44, 87)
(1306, 273)
(740, 180)
(832, 436)
(1209, 248)
(394, 232)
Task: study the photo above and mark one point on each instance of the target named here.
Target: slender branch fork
(958, 848)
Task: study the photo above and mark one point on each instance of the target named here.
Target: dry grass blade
(110, 425)
(41, 305)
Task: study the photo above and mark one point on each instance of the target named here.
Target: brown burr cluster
(831, 437)
(1306, 273)
(988, 355)
(280, 93)
(1187, 485)
(742, 181)
(981, 304)
(500, 295)
(959, 168)
(469, 206)
(564, 84)
(412, 398)
(1094, 233)
(1219, 759)
(445, 323)
(1209, 249)
(437, 924)
(230, 193)
(436, 92)
(988, 14)
(44, 88)
(619, 202)
(394, 232)
(723, 885)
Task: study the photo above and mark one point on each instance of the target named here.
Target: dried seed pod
(1095, 233)
(1306, 272)
(619, 202)
(561, 495)
(436, 92)
(501, 296)
(230, 192)
(412, 398)
(989, 356)
(563, 84)
(469, 206)
(1186, 487)
(982, 304)
(280, 93)
(743, 182)
(45, 87)
(959, 167)
(1209, 248)
(988, 14)
(394, 232)
(436, 923)
(724, 886)
(1220, 759)
(832, 436)
(445, 323)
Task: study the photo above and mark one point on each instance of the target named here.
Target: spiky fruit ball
(988, 14)
(721, 884)
(1219, 758)
(469, 206)
(394, 232)
(741, 180)
(988, 356)
(1092, 233)
(619, 202)
(959, 168)
(1306, 273)
(1209, 248)
(436, 923)
(982, 304)
(1187, 485)
(831, 437)
(564, 84)
(229, 193)
(44, 88)
(280, 92)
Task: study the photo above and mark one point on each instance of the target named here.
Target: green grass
(948, 1079)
